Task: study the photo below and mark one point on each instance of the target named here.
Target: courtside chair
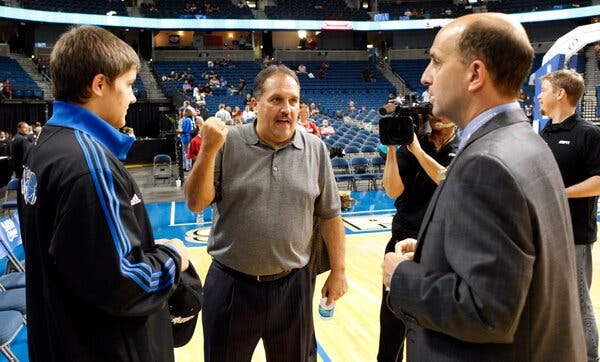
(378, 165)
(361, 169)
(351, 152)
(342, 173)
(10, 206)
(369, 151)
(12, 281)
(14, 299)
(11, 246)
(11, 323)
(162, 168)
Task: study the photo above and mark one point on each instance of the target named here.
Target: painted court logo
(198, 237)
(29, 186)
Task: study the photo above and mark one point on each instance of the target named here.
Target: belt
(256, 278)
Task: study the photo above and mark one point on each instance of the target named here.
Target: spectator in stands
(7, 90)
(186, 87)
(222, 82)
(187, 74)
(228, 62)
(326, 129)
(321, 74)
(307, 123)
(248, 114)
(21, 143)
(231, 91)
(313, 109)
(196, 93)
(325, 65)
(214, 81)
(207, 90)
(242, 86)
(301, 69)
(248, 100)
(222, 113)
(153, 9)
(107, 279)
(265, 257)
(351, 107)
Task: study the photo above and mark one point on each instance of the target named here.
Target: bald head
(500, 43)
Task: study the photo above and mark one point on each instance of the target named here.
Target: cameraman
(411, 175)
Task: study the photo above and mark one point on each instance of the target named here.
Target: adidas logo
(135, 200)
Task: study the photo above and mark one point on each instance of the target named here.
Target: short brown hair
(569, 80)
(84, 52)
(507, 56)
(259, 81)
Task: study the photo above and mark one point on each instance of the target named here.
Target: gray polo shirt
(265, 201)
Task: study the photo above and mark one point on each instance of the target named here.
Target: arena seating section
(291, 9)
(341, 84)
(21, 83)
(444, 9)
(78, 6)
(522, 6)
(411, 70)
(175, 9)
(315, 10)
(246, 70)
(139, 90)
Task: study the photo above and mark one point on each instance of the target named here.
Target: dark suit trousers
(392, 330)
(237, 312)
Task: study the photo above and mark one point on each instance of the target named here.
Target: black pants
(237, 312)
(391, 329)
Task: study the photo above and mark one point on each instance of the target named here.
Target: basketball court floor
(352, 334)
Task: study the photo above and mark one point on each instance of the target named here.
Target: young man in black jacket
(97, 281)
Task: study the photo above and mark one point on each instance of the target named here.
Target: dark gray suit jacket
(493, 277)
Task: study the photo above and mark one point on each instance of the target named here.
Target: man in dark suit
(20, 144)
(492, 275)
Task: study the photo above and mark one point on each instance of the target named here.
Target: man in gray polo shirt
(265, 183)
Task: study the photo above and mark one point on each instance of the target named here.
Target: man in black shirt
(411, 175)
(20, 144)
(575, 144)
